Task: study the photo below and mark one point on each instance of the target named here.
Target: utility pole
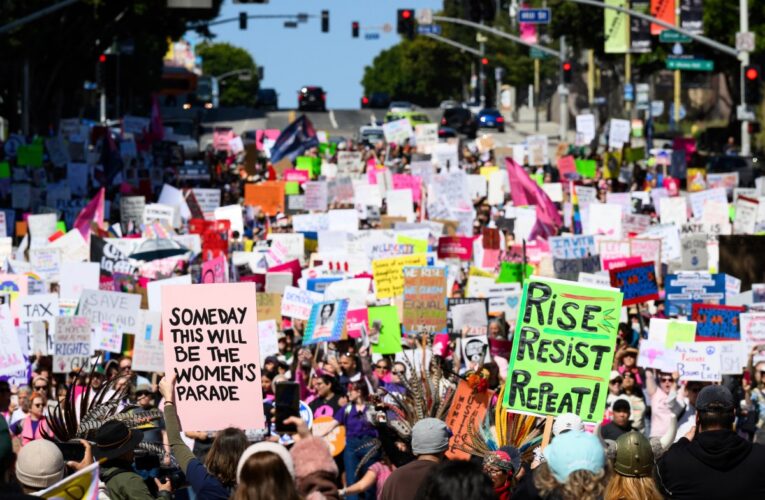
(677, 77)
(563, 94)
(746, 140)
(482, 69)
(628, 79)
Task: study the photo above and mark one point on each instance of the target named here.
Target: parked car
(461, 120)
(414, 117)
(400, 107)
(268, 99)
(312, 99)
(370, 134)
(377, 100)
(491, 118)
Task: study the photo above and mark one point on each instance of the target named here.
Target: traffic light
(752, 84)
(355, 29)
(101, 71)
(325, 21)
(405, 23)
(567, 68)
(484, 61)
(242, 20)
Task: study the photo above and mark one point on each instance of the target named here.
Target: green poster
(61, 226)
(510, 272)
(420, 246)
(616, 28)
(327, 148)
(291, 187)
(586, 168)
(563, 349)
(680, 331)
(389, 327)
(30, 155)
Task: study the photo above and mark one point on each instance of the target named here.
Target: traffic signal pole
(563, 95)
(746, 140)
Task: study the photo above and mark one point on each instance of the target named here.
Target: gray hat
(40, 464)
(715, 397)
(430, 436)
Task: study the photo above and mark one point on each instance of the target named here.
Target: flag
(93, 212)
(296, 138)
(82, 484)
(525, 191)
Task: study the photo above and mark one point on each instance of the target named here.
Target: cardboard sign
(327, 322)
(542, 379)
(698, 361)
(468, 410)
(268, 195)
(455, 247)
(297, 303)
(637, 282)
(385, 327)
(270, 307)
(388, 274)
(424, 300)
(716, 322)
(119, 309)
(211, 344)
(72, 349)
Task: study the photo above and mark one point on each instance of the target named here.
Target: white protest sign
(269, 339)
(41, 227)
(343, 220)
(654, 354)
(673, 210)
(426, 137)
(106, 337)
(39, 307)
(398, 131)
(698, 361)
(752, 327)
(446, 155)
(316, 195)
(148, 354)
(132, 209)
(207, 199)
(733, 357)
(618, 133)
(348, 163)
(297, 303)
(157, 212)
(695, 256)
(47, 262)
(354, 290)
(232, 213)
(72, 346)
(400, 203)
(76, 277)
(72, 246)
(746, 215)
(11, 356)
(154, 293)
(537, 148)
(120, 309)
(585, 129)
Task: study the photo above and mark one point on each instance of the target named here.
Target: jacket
(27, 435)
(122, 483)
(716, 464)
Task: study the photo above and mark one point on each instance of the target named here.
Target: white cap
(567, 422)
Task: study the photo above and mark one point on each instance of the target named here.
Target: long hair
(223, 457)
(580, 485)
(456, 480)
(629, 488)
(265, 477)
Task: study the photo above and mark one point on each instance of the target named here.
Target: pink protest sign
(211, 345)
(455, 247)
(411, 182)
(609, 264)
(567, 167)
(215, 270)
(299, 176)
(262, 137)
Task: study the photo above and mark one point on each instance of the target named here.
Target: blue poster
(687, 288)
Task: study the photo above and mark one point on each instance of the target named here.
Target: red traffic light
(751, 73)
(566, 66)
(365, 100)
(406, 14)
(102, 58)
(485, 61)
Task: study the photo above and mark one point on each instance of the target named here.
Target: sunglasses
(41, 387)
(381, 367)
(667, 379)
(397, 372)
(628, 375)
(616, 381)
(37, 405)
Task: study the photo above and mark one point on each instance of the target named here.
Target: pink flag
(93, 212)
(525, 191)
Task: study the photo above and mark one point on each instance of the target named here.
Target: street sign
(669, 36)
(657, 108)
(745, 41)
(429, 29)
(536, 53)
(371, 36)
(683, 113)
(425, 16)
(674, 63)
(744, 114)
(629, 92)
(642, 93)
(481, 38)
(534, 16)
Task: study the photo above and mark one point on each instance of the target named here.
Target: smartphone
(72, 451)
(287, 403)
(15, 400)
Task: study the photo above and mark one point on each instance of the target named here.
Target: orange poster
(467, 406)
(663, 10)
(269, 196)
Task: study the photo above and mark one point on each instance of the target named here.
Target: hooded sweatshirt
(716, 464)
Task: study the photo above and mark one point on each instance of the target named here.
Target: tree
(220, 58)
(62, 51)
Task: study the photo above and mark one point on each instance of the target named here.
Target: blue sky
(306, 56)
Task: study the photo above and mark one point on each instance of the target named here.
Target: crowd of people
(384, 418)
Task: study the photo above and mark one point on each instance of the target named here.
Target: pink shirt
(661, 414)
(382, 471)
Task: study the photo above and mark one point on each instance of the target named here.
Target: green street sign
(669, 36)
(535, 53)
(690, 64)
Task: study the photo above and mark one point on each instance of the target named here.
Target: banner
(692, 16)
(663, 10)
(424, 300)
(563, 349)
(640, 29)
(211, 344)
(616, 28)
(637, 282)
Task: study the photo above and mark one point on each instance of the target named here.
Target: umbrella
(158, 248)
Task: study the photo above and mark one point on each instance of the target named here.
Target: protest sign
(572, 247)
(297, 303)
(106, 337)
(148, 348)
(455, 247)
(39, 307)
(470, 318)
(215, 270)
(398, 131)
(15, 286)
(349, 163)
(72, 348)
(568, 318)
(426, 137)
(686, 288)
(733, 356)
(717, 322)
(119, 309)
(746, 215)
(752, 327)
(270, 307)
(268, 195)
(424, 308)
(211, 344)
(637, 282)
(698, 361)
(671, 331)
(655, 354)
(569, 269)
(585, 128)
(316, 195)
(326, 322)
(269, 339)
(388, 274)
(11, 353)
(384, 327)
(467, 412)
(83, 484)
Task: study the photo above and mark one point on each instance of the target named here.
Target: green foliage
(220, 58)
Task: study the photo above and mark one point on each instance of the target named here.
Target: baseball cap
(430, 435)
(567, 422)
(714, 397)
(573, 451)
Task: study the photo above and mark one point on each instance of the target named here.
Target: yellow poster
(389, 274)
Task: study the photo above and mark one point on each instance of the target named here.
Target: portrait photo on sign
(327, 322)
